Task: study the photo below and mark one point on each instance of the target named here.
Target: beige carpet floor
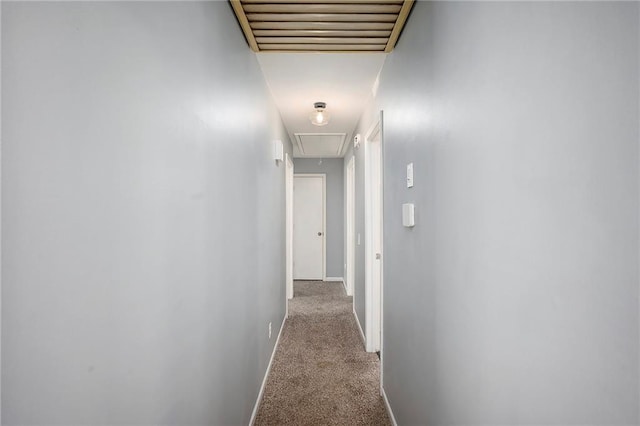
(321, 374)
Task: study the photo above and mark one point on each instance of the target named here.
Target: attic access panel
(322, 25)
(320, 145)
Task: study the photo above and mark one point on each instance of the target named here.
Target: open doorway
(350, 222)
(373, 236)
(289, 227)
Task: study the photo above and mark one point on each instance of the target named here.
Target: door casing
(289, 173)
(324, 218)
(373, 236)
(350, 222)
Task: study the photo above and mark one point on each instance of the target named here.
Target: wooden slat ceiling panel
(322, 40)
(321, 33)
(283, 47)
(322, 8)
(322, 25)
(323, 17)
(323, 1)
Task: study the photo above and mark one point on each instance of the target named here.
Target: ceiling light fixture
(319, 117)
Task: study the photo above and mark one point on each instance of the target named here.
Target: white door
(373, 242)
(308, 227)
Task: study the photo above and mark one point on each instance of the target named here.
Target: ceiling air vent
(322, 25)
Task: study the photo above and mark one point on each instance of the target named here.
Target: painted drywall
(368, 120)
(514, 299)
(333, 169)
(138, 280)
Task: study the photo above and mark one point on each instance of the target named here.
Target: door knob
(319, 234)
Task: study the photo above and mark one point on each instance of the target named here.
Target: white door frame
(373, 288)
(324, 217)
(289, 226)
(350, 191)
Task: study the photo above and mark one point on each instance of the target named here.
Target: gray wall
(514, 300)
(138, 281)
(332, 167)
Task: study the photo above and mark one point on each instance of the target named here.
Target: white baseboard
(338, 279)
(364, 340)
(388, 407)
(266, 374)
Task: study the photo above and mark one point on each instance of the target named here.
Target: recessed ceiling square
(322, 145)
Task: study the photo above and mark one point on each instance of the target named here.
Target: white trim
(324, 219)
(256, 407)
(367, 242)
(373, 328)
(387, 405)
(364, 340)
(382, 251)
(350, 225)
(324, 226)
(289, 174)
(338, 279)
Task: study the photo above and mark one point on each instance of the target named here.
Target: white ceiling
(343, 81)
(324, 145)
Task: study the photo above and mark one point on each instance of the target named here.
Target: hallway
(477, 190)
(321, 373)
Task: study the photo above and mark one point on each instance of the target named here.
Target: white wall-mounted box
(408, 215)
(278, 150)
(410, 175)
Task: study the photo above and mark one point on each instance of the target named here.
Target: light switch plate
(410, 175)
(408, 215)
